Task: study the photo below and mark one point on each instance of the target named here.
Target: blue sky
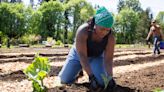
(155, 5)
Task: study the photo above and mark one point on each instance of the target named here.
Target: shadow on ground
(13, 76)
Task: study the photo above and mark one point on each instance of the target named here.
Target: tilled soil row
(33, 49)
(14, 55)
(30, 59)
(58, 56)
(131, 49)
(125, 53)
(137, 60)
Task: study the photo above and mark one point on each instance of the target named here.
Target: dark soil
(146, 80)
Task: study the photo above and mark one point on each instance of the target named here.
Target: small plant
(158, 90)
(37, 71)
(106, 80)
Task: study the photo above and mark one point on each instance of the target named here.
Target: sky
(155, 5)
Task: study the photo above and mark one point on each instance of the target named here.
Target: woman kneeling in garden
(93, 51)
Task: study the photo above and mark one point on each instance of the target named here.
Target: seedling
(106, 80)
(158, 90)
(37, 71)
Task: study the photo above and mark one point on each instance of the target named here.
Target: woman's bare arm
(149, 34)
(81, 45)
(108, 55)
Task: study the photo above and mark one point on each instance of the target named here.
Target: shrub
(58, 42)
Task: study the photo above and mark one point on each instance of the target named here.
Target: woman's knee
(65, 79)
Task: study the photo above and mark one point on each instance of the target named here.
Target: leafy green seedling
(158, 90)
(37, 71)
(106, 80)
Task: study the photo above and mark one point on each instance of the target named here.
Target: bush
(58, 43)
(29, 39)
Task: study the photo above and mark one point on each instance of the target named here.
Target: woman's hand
(93, 82)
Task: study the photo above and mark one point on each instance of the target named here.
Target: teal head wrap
(104, 18)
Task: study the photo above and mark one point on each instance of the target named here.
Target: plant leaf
(106, 80)
(37, 71)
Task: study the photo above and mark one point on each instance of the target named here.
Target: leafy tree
(28, 19)
(133, 4)
(35, 22)
(143, 25)
(121, 4)
(66, 21)
(69, 15)
(32, 3)
(13, 25)
(126, 22)
(51, 19)
(4, 1)
(160, 19)
(80, 11)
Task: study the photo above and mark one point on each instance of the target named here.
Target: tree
(13, 25)
(121, 4)
(143, 25)
(80, 11)
(0, 37)
(67, 21)
(133, 4)
(160, 19)
(51, 19)
(126, 22)
(32, 3)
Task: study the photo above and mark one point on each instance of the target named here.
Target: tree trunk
(0, 40)
(66, 27)
(57, 33)
(8, 42)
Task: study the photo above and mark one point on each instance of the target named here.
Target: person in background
(92, 51)
(155, 30)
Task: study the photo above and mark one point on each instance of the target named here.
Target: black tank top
(95, 49)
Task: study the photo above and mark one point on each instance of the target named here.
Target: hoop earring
(94, 27)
